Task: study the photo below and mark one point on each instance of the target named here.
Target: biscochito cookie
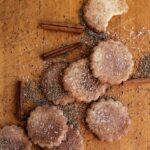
(81, 84)
(47, 126)
(98, 13)
(74, 141)
(52, 84)
(108, 119)
(111, 62)
(14, 138)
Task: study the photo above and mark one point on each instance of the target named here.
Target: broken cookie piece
(52, 84)
(47, 126)
(74, 141)
(14, 138)
(108, 119)
(111, 62)
(98, 13)
(81, 84)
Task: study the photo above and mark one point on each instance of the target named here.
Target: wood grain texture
(21, 43)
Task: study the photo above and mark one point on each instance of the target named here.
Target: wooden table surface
(21, 43)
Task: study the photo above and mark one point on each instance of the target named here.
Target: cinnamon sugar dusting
(144, 66)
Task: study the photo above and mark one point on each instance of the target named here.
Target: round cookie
(108, 119)
(98, 13)
(47, 126)
(14, 138)
(52, 84)
(111, 62)
(79, 81)
(74, 141)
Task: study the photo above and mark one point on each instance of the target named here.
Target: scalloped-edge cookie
(52, 86)
(111, 62)
(14, 138)
(79, 81)
(98, 13)
(108, 119)
(74, 141)
(47, 126)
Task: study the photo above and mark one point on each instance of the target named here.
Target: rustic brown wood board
(21, 43)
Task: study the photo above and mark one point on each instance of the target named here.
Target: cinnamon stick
(66, 27)
(137, 81)
(61, 50)
(20, 101)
